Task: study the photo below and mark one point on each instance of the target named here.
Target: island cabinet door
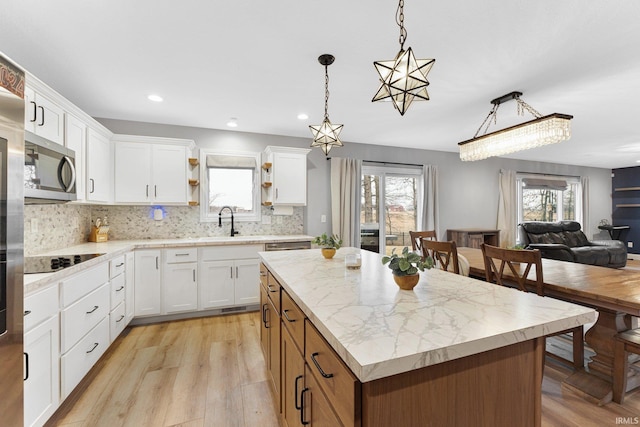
(316, 408)
(292, 380)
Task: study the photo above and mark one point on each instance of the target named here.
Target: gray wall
(468, 191)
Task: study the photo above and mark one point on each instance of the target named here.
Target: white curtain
(430, 199)
(507, 208)
(345, 199)
(584, 181)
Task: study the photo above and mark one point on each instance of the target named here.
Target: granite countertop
(380, 330)
(113, 248)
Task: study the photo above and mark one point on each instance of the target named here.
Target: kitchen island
(454, 351)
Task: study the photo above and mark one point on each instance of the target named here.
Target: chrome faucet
(233, 232)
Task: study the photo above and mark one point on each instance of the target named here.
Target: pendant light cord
(326, 92)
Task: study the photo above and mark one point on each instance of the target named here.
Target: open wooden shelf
(194, 182)
(193, 161)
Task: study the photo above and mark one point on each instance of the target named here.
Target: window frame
(560, 209)
(205, 215)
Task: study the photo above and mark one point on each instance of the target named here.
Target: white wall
(468, 191)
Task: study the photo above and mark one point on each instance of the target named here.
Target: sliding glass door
(391, 201)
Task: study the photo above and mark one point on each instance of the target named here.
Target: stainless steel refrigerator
(13, 370)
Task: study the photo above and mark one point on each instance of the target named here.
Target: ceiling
(257, 61)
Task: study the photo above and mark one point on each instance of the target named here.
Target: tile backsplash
(50, 227)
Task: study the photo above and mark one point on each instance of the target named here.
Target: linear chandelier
(325, 135)
(543, 130)
(404, 78)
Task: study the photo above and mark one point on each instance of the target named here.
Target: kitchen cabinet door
(316, 409)
(180, 287)
(246, 286)
(292, 380)
(75, 138)
(290, 179)
(42, 372)
(132, 173)
(99, 184)
(43, 117)
(148, 284)
(216, 285)
(169, 174)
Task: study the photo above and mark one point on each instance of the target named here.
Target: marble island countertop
(379, 330)
(113, 248)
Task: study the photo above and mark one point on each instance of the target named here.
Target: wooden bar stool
(625, 342)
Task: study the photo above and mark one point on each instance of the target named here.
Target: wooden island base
(497, 387)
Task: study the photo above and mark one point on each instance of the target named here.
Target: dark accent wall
(623, 181)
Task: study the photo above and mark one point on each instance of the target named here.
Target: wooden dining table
(614, 293)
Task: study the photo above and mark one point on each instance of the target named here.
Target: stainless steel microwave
(49, 171)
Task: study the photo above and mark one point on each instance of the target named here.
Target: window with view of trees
(541, 198)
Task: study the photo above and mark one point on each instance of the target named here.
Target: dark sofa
(565, 241)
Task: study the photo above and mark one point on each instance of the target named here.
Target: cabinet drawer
(293, 320)
(118, 286)
(117, 266)
(77, 361)
(215, 253)
(173, 256)
(334, 377)
(40, 306)
(117, 321)
(273, 290)
(83, 315)
(75, 287)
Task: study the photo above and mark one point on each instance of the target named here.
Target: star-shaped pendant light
(403, 79)
(326, 135)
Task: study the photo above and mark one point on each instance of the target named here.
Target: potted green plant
(329, 244)
(405, 267)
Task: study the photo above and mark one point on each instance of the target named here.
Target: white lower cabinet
(42, 355)
(117, 321)
(83, 315)
(148, 282)
(81, 357)
(228, 276)
(180, 282)
(129, 290)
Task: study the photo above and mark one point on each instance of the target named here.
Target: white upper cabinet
(288, 175)
(151, 170)
(43, 117)
(75, 138)
(99, 185)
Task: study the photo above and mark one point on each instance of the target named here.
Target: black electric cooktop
(52, 263)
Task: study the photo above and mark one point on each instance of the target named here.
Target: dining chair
(509, 267)
(417, 236)
(625, 342)
(446, 256)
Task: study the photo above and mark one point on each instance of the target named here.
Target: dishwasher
(287, 246)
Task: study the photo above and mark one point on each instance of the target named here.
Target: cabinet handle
(119, 265)
(95, 307)
(155, 191)
(95, 344)
(120, 288)
(276, 194)
(182, 254)
(93, 185)
(42, 109)
(35, 111)
(263, 274)
(264, 315)
(286, 316)
(27, 312)
(147, 190)
(302, 421)
(194, 274)
(26, 366)
(156, 263)
(298, 406)
(271, 290)
(230, 272)
(120, 319)
(315, 362)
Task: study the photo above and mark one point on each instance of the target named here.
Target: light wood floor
(210, 372)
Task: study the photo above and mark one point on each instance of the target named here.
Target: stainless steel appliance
(370, 237)
(51, 263)
(49, 171)
(11, 242)
(288, 246)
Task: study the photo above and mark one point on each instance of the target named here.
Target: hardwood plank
(151, 400)
(259, 409)
(224, 392)
(251, 364)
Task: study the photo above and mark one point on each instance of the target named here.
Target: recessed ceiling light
(155, 98)
(302, 116)
(233, 122)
